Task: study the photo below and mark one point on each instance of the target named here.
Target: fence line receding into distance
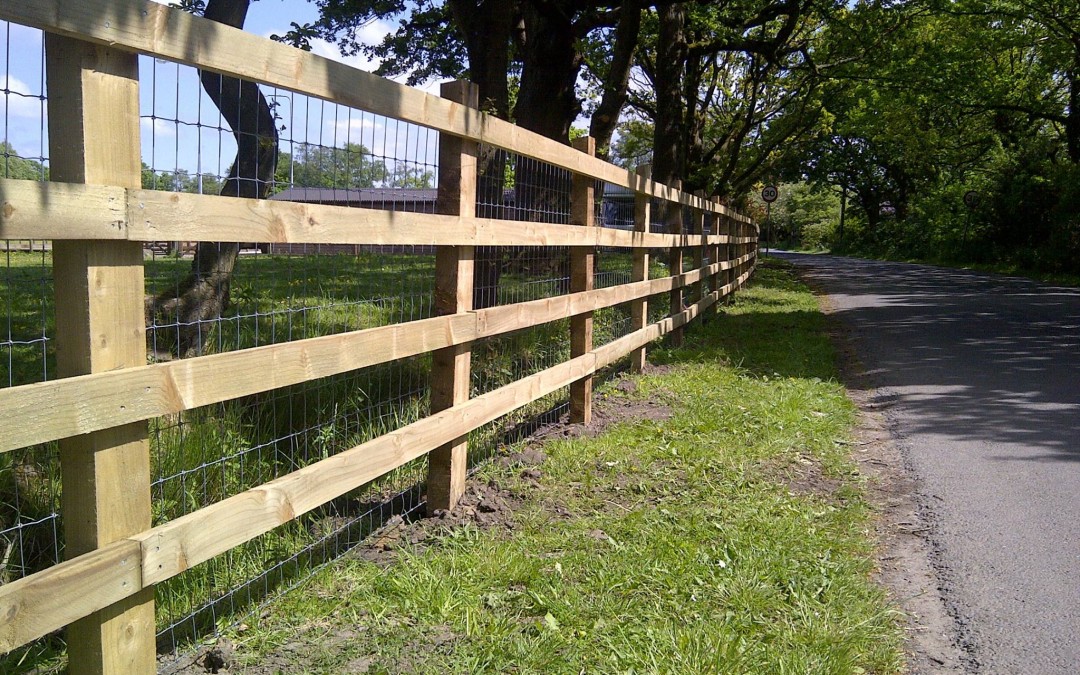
(523, 268)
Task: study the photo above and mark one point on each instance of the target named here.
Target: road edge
(902, 529)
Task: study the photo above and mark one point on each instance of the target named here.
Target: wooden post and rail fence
(99, 221)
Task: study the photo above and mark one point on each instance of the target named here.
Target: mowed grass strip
(721, 528)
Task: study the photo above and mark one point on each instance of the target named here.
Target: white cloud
(157, 127)
(354, 128)
(18, 99)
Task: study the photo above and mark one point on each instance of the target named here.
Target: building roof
(355, 196)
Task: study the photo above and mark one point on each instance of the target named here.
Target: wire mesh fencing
(30, 537)
(211, 297)
(327, 154)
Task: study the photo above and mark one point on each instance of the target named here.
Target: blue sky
(181, 127)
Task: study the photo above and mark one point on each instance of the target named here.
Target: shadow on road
(967, 355)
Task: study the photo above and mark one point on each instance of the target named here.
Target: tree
(405, 176)
(608, 66)
(14, 166)
(349, 166)
(204, 293)
(180, 180)
(730, 88)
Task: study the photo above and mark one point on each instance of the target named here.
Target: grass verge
(715, 525)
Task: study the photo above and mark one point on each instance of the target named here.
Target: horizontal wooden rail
(49, 411)
(50, 599)
(94, 227)
(154, 29)
(37, 210)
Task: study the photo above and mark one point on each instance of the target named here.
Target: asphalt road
(981, 375)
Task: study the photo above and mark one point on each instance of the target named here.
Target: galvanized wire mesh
(29, 492)
(26, 353)
(30, 537)
(328, 154)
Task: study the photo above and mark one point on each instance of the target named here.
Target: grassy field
(206, 455)
(716, 525)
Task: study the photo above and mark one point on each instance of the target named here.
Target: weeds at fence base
(728, 534)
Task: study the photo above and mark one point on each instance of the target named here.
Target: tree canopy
(899, 107)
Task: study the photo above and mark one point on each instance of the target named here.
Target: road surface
(982, 377)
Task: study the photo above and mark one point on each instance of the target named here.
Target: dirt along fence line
(173, 451)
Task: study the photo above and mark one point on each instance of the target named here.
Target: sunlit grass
(685, 551)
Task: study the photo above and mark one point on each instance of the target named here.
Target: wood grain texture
(32, 209)
(674, 220)
(639, 310)
(94, 138)
(49, 600)
(582, 275)
(454, 280)
(39, 210)
(80, 405)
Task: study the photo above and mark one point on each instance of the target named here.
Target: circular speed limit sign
(770, 193)
(972, 199)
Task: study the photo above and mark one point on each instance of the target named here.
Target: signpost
(768, 195)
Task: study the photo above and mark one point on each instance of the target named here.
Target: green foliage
(405, 176)
(12, 165)
(936, 99)
(632, 146)
(350, 166)
(805, 216)
(180, 180)
(668, 545)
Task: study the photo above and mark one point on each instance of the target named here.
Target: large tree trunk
(606, 115)
(547, 102)
(671, 55)
(204, 293)
(486, 27)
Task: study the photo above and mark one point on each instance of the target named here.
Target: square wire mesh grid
(267, 294)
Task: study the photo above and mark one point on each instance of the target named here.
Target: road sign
(770, 193)
(972, 199)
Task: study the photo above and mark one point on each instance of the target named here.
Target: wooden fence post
(698, 254)
(739, 230)
(715, 278)
(94, 138)
(726, 252)
(582, 264)
(639, 309)
(450, 368)
(674, 213)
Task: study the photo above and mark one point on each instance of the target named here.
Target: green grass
(215, 452)
(687, 549)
